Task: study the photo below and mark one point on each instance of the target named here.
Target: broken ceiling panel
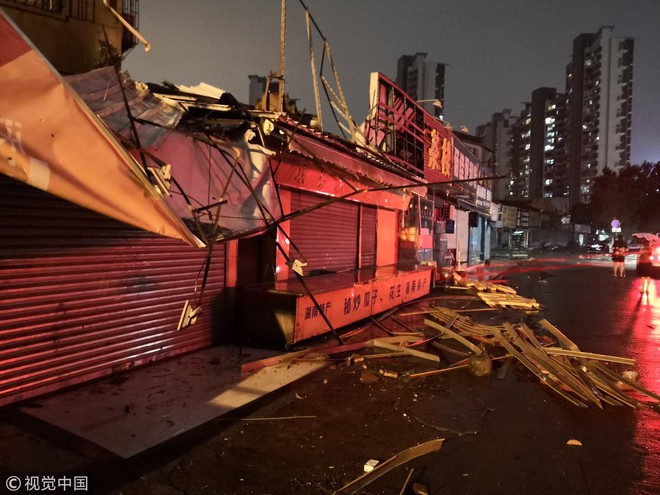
(223, 184)
(104, 95)
(209, 172)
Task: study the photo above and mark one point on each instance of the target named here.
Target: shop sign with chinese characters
(347, 305)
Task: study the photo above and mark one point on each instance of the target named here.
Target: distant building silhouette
(561, 142)
(257, 92)
(496, 136)
(423, 80)
(258, 88)
(599, 88)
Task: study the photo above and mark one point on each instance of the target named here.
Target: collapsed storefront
(450, 229)
(345, 242)
(306, 232)
(96, 266)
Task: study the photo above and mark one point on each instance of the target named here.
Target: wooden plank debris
(582, 378)
(413, 352)
(557, 370)
(391, 463)
(453, 335)
(508, 301)
(405, 484)
(566, 343)
(485, 286)
(271, 361)
(457, 366)
(590, 355)
(534, 369)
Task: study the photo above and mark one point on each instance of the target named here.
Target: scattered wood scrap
(485, 286)
(499, 295)
(582, 378)
(397, 344)
(413, 352)
(394, 461)
(495, 300)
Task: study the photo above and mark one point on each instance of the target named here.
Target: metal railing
(83, 10)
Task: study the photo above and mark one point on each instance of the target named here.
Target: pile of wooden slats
(497, 300)
(486, 286)
(580, 377)
(497, 295)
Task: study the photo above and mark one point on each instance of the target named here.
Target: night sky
(497, 51)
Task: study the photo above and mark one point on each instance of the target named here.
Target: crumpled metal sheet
(50, 139)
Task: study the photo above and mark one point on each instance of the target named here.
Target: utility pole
(282, 51)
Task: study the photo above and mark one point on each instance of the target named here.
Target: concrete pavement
(505, 435)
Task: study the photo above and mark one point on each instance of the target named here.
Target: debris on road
(368, 377)
(579, 377)
(515, 301)
(389, 374)
(487, 286)
(582, 378)
(419, 489)
(405, 483)
(480, 364)
(391, 463)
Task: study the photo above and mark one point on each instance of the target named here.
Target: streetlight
(436, 103)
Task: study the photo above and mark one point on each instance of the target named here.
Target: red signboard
(400, 128)
(438, 155)
(343, 306)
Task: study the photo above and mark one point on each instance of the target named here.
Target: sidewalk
(114, 421)
(491, 269)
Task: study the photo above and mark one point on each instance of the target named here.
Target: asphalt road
(608, 315)
(504, 434)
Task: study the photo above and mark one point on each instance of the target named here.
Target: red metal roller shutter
(83, 296)
(327, 237)
(368, 232)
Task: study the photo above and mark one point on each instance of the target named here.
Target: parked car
(634, 245)
(598, 247)
(654, 240)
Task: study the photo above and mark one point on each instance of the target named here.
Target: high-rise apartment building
(599, 91)
(424, 81)
(554, 169)
(521, 145)
(496, 136)
(548, 152)
(562, 141)
(76, 37)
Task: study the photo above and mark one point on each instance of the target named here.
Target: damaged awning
(222, 186)
(50, 139)
(332, 159)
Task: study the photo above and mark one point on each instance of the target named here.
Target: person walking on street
(644, 266)
(619, 248)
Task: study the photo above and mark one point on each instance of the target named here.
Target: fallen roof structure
(50, 139)
(582, 378)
